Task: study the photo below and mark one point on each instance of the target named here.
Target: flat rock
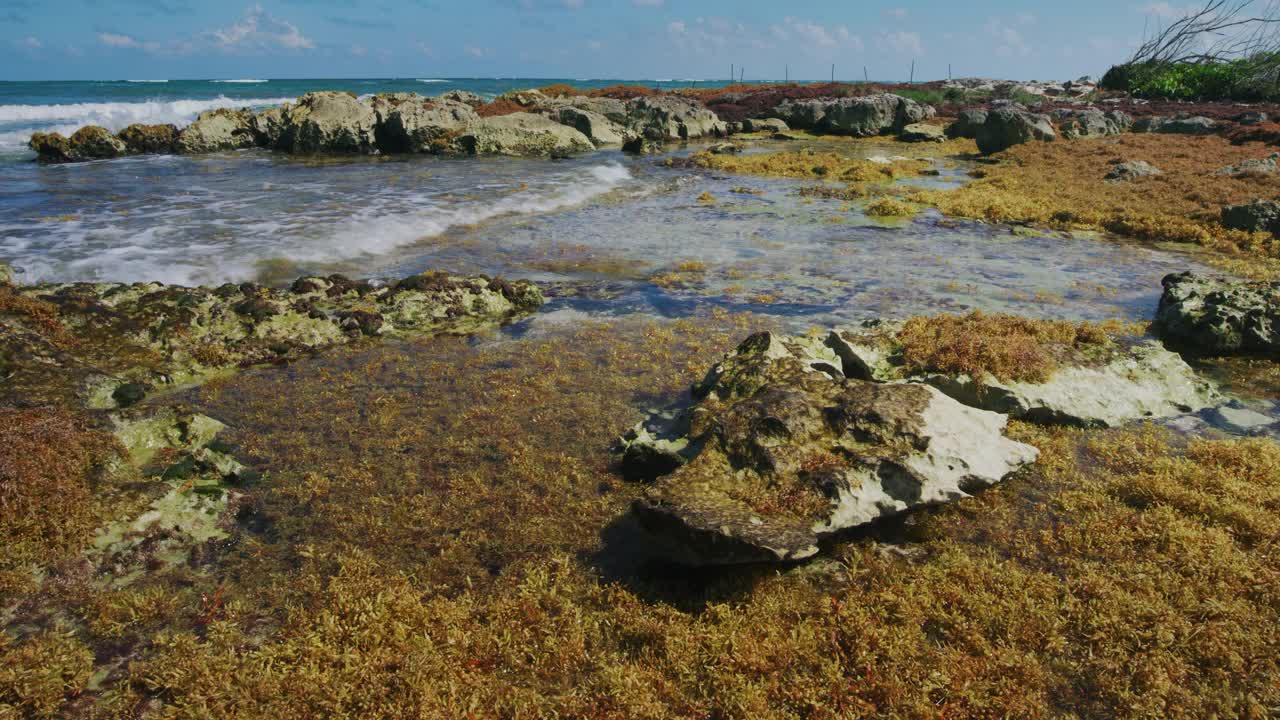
(1220, 316)
(783, 450)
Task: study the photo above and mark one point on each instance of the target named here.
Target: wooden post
(786, 73)
(865, 78)
(732, 73)
(948, 71)
(913, 71)
(833, 72)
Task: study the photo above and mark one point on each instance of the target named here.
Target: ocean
(605, 224)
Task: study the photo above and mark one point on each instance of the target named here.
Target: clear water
(594, 229)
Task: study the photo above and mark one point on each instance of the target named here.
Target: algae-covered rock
(919, 132)
(966, 126)
(1100, 386)
(423, 125)
(88, 143)
(1006, 127)
(464, 97)
(216, 131)
(783, 449)
(600, 129)
(521, 134)
(269, 126)
(1219, 316)
(1092, 123)
(1256, 216)
(149, 139)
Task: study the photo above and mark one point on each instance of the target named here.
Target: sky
(629, 39)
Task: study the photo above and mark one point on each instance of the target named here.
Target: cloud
(259, 30)
(896, 13)
(1008, 41)
(595, 45)
(573, 4)
(1165, 10)
(815, 35)
(359, 50)
(30, 42)
(475, 52)
(903, 42)
(648, 3)
(714, 35)
(118, 41)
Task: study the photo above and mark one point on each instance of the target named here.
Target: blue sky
(136, 39)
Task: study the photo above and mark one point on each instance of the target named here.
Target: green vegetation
(1250, 79)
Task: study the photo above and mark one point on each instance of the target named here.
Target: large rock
(88, 143)
(423, 125)
(1257, 216)
(329, 122)
(464, 97)
(863, 116)
(1102, 386)
(782, 450)
(769, 125)
(598, 128)
(1177, 125)
(611, 108)
(1093, 123)
(1007, 127)
(217, 130)
(1218, 316)
(269, 126)
(920, 132)
(967, 125)
(670, 117)
(149, 139)
(1268, 165)
(521, 134)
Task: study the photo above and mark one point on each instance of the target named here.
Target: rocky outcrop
(423, 125)
(216, 131)
(162, 335)
(1130, 170)
(1268, 165)
(1218, 316)
(331, 122)
(967, 125)
(864, 116)
(611, 108)
(524, 134)
(781, 449)
(1177, 125)
(598, 128)
(149, 139)
(1092, 123)
(670, 117)
(1257, 216)
(1007, 127)
(464, 97)
(919, 132)
(88, 143)
(769, 125)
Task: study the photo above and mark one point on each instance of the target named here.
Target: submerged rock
(1218, 316)
(1007, 127)
(217, 130)
(521, 134)
(783, 449)
(864, 116)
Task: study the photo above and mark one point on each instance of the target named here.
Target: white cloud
(475, 52)
(812, 35)
(30, 42)
(595, 45)
(359, 50)
(118, 41)
(1165, 10)
(261, 31)
(647, 3)
(903, 42)
(1008, 41)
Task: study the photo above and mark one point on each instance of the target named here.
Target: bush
(1251, 78)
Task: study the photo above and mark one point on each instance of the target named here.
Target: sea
(607, 229)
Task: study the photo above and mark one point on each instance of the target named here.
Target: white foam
(242, 81)
(432, 80)
(146, 81)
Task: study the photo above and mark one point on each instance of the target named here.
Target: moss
(829, 165)
(40, 674)
(888, 207)
(684, 274)
(1006, 347)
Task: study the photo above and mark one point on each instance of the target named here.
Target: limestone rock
(88, 143)
(1218, 316)
(269, 125)
(598, 128)
(1257, 216)
(330, 122)
(1093, 123)
(1177, 125)
(423, 125)
(919, 132)
(966, 126)
(1268, 165)
(1131, 170)
(1007, 127)
(464, 97)
(217, 130)
(784, 450)
(522, 134)
(670, 117)
(769, 125)
(863, 116)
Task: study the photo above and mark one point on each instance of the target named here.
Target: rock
(966, 126)
(919, 132)
(1007, 127)
(8, 276)
(615, 110)
(129, 394)
(724, 148)
(88, 143)
(784, 450)
(598, 128)
(521, 134)
(525, 98)
(1131, 170)
(268, 126)
(1093, 123)
(863, 116)
(216, 131)
(769, 125)
(1106, 388)
(1252, 118)
(149, 139)
(464, 97)
(329, 122)
(1240, 420)
(424, 125)
(638, 145)
(1177, 125)
(1257, 216)
(1218, 316)
(1254, 166)
(670, 117)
